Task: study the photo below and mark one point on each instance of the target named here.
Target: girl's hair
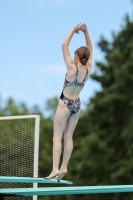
(83, 54)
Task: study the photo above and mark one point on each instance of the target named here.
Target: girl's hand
(83, 28)
(80, 27)
(77, 28)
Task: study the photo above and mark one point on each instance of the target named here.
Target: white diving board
(67, 190)
(12, 179)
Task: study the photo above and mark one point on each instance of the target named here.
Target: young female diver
(68, 110)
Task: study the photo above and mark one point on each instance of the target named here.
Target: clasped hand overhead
(80, 27)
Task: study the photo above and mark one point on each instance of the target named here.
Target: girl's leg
(68, 143)
(60, 120)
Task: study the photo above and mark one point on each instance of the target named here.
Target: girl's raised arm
(88, 43)
(66, 54)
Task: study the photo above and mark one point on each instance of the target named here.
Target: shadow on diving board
(67, 190)
(11, 179)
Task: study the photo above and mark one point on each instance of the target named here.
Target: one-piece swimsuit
(73, 105)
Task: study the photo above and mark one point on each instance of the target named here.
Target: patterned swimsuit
(73, 105)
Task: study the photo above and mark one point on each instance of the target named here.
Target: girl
(68, 110)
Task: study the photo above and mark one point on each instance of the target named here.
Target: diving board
(67, 190)
(11, 179)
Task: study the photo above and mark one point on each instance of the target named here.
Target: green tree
(107, 143)
(103, 139)
(51, 105)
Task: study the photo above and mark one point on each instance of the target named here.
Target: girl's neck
(80, 65)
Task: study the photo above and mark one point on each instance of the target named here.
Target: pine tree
(107, 146)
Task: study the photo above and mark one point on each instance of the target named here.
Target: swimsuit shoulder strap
(86, 74)
(76, 75)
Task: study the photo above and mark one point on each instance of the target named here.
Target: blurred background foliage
(103, 139)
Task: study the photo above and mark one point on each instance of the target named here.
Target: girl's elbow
(64, 44)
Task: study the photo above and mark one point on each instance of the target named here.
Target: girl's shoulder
(71, 70)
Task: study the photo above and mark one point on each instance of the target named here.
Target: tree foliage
(103, 139)
(106, 143)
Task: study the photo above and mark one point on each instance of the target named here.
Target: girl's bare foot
(53, 175)
(62, 173)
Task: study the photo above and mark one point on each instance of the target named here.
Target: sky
(32, 68)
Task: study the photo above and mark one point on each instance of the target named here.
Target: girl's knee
(67, 137)
(57, 136)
